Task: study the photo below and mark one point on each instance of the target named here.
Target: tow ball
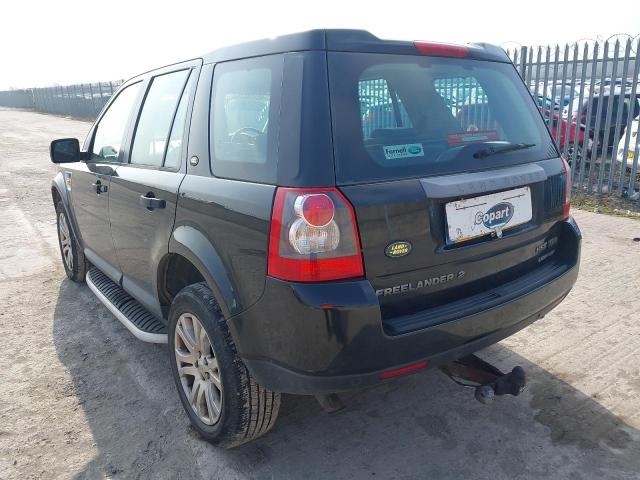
(488, 380)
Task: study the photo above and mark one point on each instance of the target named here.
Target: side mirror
(65, 150)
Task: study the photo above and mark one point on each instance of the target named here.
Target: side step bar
(138, 320)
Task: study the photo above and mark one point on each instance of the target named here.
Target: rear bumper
(324, 338)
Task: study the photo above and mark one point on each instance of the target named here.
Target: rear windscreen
(399, 116)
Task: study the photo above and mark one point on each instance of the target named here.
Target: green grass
(607, 204)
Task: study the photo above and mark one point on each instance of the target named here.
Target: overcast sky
(63, 42)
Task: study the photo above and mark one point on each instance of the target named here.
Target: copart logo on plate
(497, 216)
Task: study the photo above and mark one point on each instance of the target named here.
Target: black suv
(317, 213)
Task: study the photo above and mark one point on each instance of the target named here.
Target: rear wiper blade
(487, 152)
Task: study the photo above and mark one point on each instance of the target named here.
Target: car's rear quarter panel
(234, 217)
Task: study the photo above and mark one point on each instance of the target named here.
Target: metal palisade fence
(589, 95)
(83, 100)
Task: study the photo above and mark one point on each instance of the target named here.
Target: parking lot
(81, 397)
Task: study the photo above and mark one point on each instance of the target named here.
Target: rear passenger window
(244, 118)
(154, 124)
(174, 148)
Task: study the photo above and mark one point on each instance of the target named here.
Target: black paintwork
(336, 338)
(90, 183)
(341, 41)
(225, 225)
(140, 234)
(319, 337)
(393, 211)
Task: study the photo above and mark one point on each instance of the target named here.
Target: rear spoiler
(365, 42)
(340, 40)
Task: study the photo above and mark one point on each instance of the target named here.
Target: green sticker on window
(392, 152)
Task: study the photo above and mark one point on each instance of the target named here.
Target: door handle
(151, 202)
(99, 187)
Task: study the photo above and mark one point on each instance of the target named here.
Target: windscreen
(400, 116)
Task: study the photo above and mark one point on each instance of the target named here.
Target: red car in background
(477, 117)
(569, 131)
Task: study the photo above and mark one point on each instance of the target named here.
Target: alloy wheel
(65, 241)
(198, 368)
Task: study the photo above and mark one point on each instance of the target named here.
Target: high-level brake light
(442, 49)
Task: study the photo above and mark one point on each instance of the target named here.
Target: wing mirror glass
(65, 150)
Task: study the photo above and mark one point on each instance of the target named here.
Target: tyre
(580, 153)
(224, 403)
(75, 265)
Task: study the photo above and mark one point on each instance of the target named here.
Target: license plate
(478, 216)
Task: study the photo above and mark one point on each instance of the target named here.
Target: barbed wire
(616, 38)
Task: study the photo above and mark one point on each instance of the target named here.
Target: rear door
(145, 187)
(456, 183)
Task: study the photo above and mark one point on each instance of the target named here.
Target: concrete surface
(81, 397)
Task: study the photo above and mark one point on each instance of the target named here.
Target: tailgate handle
(479, 182)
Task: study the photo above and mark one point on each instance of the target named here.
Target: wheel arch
(59, 193)
(193, 255)
(175, 272)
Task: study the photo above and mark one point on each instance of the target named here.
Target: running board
(138, 320)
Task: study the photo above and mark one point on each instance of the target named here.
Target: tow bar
(488, 380)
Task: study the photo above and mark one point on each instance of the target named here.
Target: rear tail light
(442, 49)
(313, 236)
(566, 199)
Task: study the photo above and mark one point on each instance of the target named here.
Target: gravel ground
(81, 397)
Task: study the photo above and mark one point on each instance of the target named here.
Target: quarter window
(109, 135)
(242, 100)
(244, 118)
(156, 117)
